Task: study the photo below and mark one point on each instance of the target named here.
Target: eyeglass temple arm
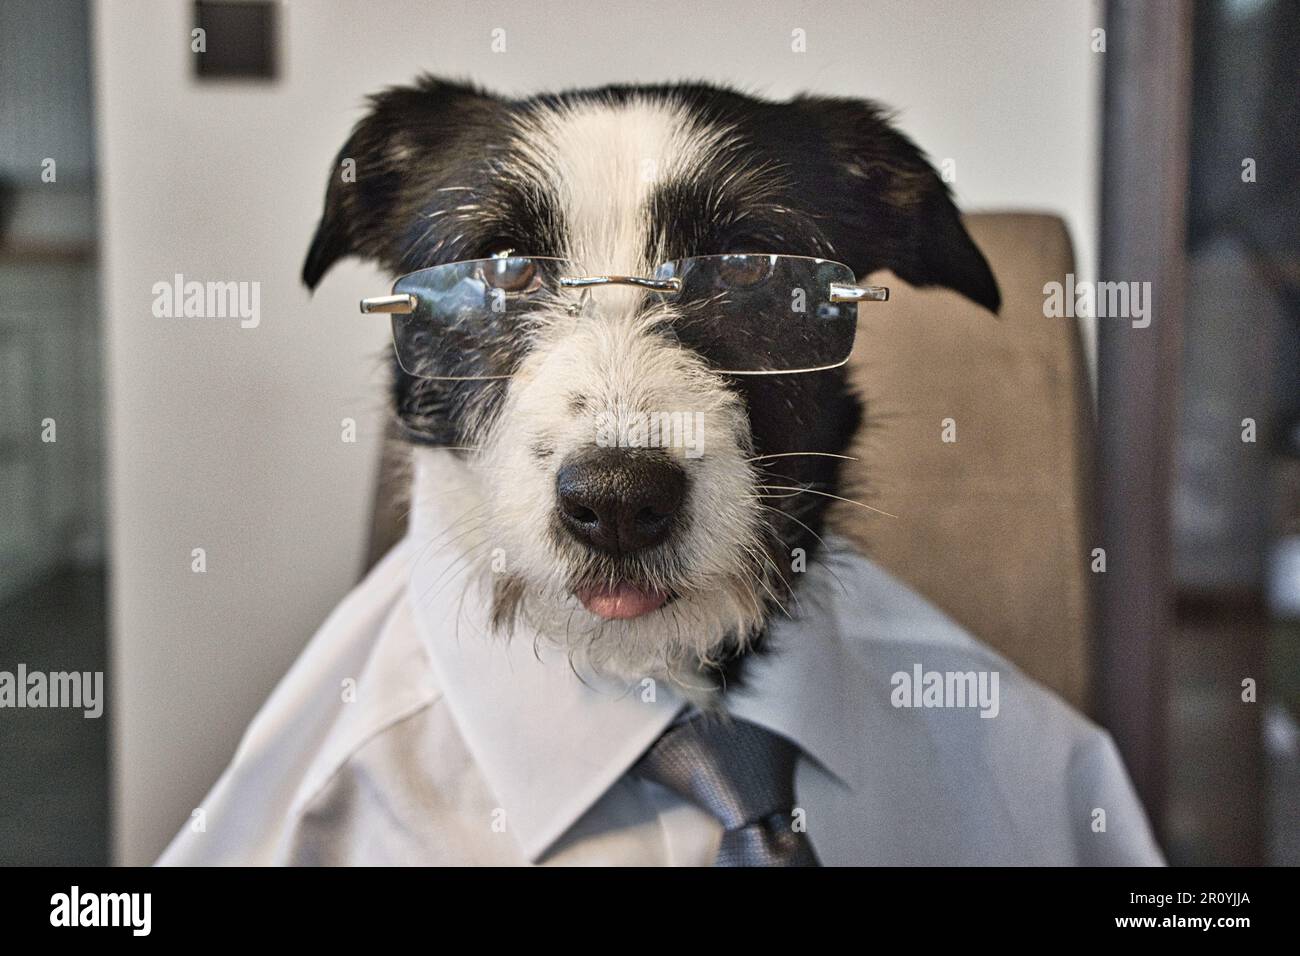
(402, 304)
(853, 293)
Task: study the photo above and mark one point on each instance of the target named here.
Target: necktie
(744, 776)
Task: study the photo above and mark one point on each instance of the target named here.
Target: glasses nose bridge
(614, 297)
(653, 284)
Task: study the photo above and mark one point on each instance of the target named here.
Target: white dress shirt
(408, 733)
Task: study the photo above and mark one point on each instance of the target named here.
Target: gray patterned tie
(744, 776)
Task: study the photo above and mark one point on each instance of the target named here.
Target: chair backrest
(978, 439)
(992, 527)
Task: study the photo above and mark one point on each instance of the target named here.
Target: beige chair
(991, 527)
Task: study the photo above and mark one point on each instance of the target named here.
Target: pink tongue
(621, 602)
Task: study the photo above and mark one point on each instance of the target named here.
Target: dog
(639, 558)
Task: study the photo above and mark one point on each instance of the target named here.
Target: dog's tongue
(620, 602)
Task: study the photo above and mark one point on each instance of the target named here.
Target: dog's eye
(741, 272)
(510, 275)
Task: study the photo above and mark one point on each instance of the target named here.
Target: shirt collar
(551, 743)
(807, 684)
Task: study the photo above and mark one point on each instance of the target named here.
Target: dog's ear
(889, 207)
(397, 156)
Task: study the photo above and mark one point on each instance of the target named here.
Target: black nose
(620, 500)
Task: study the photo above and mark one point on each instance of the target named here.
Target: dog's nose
(620, 500)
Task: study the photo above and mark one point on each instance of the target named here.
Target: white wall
(228, 439)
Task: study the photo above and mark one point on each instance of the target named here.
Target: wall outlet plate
(240, 40)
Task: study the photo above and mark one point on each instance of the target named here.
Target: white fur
(601, 162)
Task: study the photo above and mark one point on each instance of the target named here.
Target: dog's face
(647, 558)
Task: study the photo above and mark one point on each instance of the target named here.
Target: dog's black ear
(397, 155)
(889, 207)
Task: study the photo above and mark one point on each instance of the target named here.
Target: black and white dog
(646, 561)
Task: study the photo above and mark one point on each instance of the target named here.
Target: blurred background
(1164, 134)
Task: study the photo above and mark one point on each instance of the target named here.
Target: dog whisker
(463, 562)
(759, 578)
(824, 494)
(792, 454)
(428, 552)
(780, 576)
(820, 539)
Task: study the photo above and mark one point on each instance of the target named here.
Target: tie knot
(737, 771)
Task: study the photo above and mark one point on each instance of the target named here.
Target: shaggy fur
(618, 180)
